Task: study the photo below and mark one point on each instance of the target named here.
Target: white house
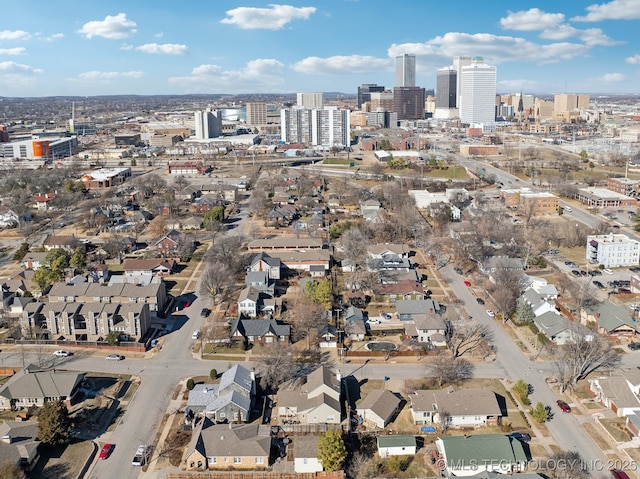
(379, 408)
(248, 302)
(396, 446)
(305, 455)
(461, 408)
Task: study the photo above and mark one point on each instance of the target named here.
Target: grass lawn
(616, 427)
(337, 161)
(596, 435)
(62, 462)
(454, 172)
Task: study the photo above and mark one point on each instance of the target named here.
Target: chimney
(7, 439)
(339, 376)
(253, 374)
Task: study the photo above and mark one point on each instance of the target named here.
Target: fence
(254, 475)
(310, 428)
(388, 354)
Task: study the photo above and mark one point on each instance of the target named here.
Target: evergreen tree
(331, 450)
(540, 413)
(54, 423)
(524, 312)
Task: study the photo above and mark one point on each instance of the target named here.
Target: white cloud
(13, 68)
(112, 27)
(590, 36)
(55, 36)
(259, 75)
(520, 85)
(612, 78)
(126, 47)
(159, 35)
(494, 48)
(531, 20)
(559, 32)
(98, 75)
(342, 65)
(614, 10)
(273, 18)
(14, 35)
(634, 60)
(13, 51)
(163, 49)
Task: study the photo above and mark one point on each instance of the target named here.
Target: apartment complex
(327, 127)
(310, 100)
(208, 124)
(256, 113)
(612, 250)
(530, 202)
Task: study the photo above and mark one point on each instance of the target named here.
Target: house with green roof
(396, 445)
(611, 320)
(471, 454)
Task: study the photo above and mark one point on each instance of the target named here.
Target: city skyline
(253, 47)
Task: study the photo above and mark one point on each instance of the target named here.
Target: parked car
(598, 284)
(457, 270)
(608, 271)
(575, 272)
(106, 450)
(115, 357)
(480, 301)
(490, 313)
(467, 283)
(61, 353)
(373, 321)
(618, 474)
(634, 346)
(521, 436)
(571, 264)
(141, 456)
(583, 272)
(384, 315)
(624, 291)
(563, 405)
(205, 312)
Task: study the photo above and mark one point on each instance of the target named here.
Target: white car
(61, 353)
(608, 271)
(490, 313)
(373, 321)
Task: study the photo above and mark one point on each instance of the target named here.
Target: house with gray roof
(230, 400)
(221, 446)
(315, 399)
(457, 408)
(19, 443)
(472, 454)
(379, 408)
(260, 331)
(263, 262)
(355, 330)
(617, 393)
(611, 320)
(430, 329)
(260, 281)
(36, 386)
(556, 327)
(407, 309)
(305, 455)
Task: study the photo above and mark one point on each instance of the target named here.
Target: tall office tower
(406, 70)
(256, 113)
(208, 124)
(408, 102)
(570, 102)
(446, 88)
(458, 63)
(382, 100)
(478, 100)
(309, 100)
(365, 90)
(319, 127)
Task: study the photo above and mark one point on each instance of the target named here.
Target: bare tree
(585, 353)
(566, 465)
(359, 466)
(463, 338)
(228, 251)
(215, 281)
(304, 315)
(355, 243)
(446, 369)
(275, 366)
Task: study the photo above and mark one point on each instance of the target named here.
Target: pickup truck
(141, 456)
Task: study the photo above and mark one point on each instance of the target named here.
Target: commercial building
(478, 100)
(408, 102)
(256, 113)
(405, 70)
(382, 100)
(446, 93)
(310, 100)
(365, 90)
(603, 198)
(39, 149)
(612, 250)
(624, 186)
(208, 124)
(458, 63)
(566, 102)
(105, 178)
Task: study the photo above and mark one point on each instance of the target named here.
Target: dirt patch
(617, 429)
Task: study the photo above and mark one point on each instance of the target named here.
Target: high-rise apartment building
(365, 90)
(208, 124)
(310, 100)
(458, 63)
(256, 113)
(406, 70)
(478, 100)
(327, 127)
(408, 102)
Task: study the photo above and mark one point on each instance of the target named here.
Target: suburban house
(407, 309)
(378, 251)
(467, 456)
(370, 210)
(230, 400)
(328, 336)
(67, 243)
(260, 331)
(260, 281)
(263, 262)
(556, 327)
(314, 399)
(428, 328)
(619, 392)
(611, 320)
(500, 263)
(145, 267)
(33, 260)
(396, 446)
(316, 262)
(305, 455)
(169, 243)
(405, 289)
(456, 408)
(248, 300)
(355, 330)
(35, 386)
(20, 444)
(44, 202)
(379, 408)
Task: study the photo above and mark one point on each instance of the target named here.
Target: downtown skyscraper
(478, 100)
(405, 70)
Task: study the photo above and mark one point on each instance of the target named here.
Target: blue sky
(50, 47)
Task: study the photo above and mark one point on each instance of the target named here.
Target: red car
(467, 283)
(563, 405)
(618, 474)
(106, 450)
